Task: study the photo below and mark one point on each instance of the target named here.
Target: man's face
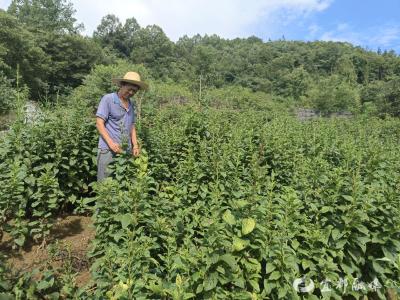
(127, 90)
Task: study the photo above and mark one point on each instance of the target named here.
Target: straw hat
(131, 77)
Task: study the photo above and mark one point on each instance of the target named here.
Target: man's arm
(104, 134)
(135, 144)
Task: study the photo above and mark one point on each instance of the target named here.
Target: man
(115, 121)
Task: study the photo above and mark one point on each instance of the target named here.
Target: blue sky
(368, 23)
(371, 24)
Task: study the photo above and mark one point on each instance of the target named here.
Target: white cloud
(342, 33)
(313, 31)
(386, 36)
(4, 4)
(227, 18)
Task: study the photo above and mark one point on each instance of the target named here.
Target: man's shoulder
(107, 97)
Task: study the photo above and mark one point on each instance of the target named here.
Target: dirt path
(73, 235)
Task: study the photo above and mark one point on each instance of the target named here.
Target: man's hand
(115, 147)
(135, 151)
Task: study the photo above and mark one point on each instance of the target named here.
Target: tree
(345, 68)
(18, 49)
(154, 49)
(111, 33)
(72, 58)
(333, 94)
(7, 94)
(129, 32)
(384, 95)
(48, 62)
(392, 96)
(48, 15)
(296, 83)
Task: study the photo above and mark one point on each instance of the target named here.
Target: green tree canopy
(19, 50)
(113, 34)
(333, 94)
(153, 48)
(72, 57)
(49, 15)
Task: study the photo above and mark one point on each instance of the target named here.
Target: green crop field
(222, 204)
(268, 168)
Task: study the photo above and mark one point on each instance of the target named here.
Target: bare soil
(72, 234)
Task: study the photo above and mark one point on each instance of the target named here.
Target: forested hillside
(46, 45)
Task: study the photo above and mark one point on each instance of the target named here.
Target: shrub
(7, 94)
